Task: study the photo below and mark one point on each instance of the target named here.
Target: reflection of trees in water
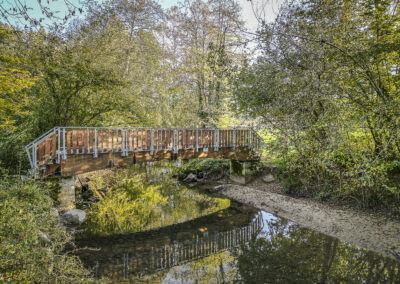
(291, 254)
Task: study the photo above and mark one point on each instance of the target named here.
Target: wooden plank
(148, 140)
(118, 137)
(74, 137)
(68, 140)
(108, 141)
(47, 151)
(80, 141)
(40, 153)
(91, 140)
(130, 140)
(54, 146)
(85, 141)
(135, 140)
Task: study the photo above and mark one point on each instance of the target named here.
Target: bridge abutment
(242, 171)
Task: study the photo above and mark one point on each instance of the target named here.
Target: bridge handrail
(53, 144)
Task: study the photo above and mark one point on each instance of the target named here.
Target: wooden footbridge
(76, 150)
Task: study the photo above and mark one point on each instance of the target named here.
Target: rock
(217, 188)
(190, 178)
(268, 178)
(43, 238)
(73, 217)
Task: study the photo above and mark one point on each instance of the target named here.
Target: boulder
(218, 188)
(190, 178)
(268, 178)
(73, 217)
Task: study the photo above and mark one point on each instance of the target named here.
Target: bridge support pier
(242, 171)
(66, 197)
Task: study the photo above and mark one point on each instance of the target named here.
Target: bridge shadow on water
(121, 256)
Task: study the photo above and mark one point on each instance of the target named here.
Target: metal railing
(60, 142)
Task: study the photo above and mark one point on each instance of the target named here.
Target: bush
(32, 243)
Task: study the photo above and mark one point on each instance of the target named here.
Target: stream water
(235, 244)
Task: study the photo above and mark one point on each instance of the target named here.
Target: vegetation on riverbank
(137, 201)
(208, 169)
(33, 245)
(326, 90)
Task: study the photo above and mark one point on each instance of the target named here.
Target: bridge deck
(83, 149)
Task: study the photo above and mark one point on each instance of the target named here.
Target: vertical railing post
(197, 139)
(201, 139)
(124, 143)
(36, 168)
(216, 139)
(34, 153)
(95, 144)
(64, 145)
(250, 137)
(162, 141)
(88, 140)
(175, 142)
(234, 138)
(58, 145)
(151, 141)
(29, 156)
(116, 140)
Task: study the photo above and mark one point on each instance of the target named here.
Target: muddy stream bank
(371, 231)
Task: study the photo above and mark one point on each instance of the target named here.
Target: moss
(209, 166)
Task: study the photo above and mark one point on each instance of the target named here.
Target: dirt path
(370, 231)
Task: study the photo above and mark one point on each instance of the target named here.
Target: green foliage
(137, 202)
(326, 87)
(13, 80)
(208, 166)
(25, 255)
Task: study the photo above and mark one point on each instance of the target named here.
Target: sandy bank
(370, 231)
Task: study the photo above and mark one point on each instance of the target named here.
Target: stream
(234, 243)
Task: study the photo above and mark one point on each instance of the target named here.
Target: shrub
(32, 243)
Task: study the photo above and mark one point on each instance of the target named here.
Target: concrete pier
(66, 196)
(242, 172)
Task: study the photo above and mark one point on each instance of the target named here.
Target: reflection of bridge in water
(147, 252)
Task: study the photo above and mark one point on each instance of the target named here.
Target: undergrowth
(32, 243)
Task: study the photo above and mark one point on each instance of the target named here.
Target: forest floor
(370, 230)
